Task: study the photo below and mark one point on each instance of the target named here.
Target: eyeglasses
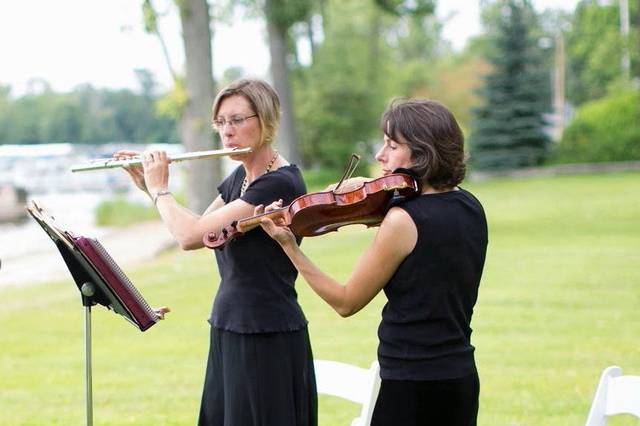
(235, 121)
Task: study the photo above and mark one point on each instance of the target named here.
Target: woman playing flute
(260, 366)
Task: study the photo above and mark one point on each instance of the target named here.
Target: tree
(407, 7)
(594, 48)
(368, 52)
(195, 122)
(85, 115)
(196, 95)
(336, 98)
(508, 127)
(280, 16)
(5, 92)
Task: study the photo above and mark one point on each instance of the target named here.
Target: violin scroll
(212, 240)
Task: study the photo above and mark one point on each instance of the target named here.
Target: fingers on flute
(125, 153)
(156, 156)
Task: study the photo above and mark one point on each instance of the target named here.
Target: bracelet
(159, 193)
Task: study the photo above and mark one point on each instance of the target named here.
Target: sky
(72, 42)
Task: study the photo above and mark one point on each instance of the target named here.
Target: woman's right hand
(135, 172)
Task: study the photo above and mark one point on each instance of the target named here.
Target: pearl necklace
(245, 182)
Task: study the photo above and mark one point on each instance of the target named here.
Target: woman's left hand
(156, 170)
(348, 185)
(276, 228)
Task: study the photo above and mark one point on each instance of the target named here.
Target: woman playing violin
(427, 256)
(260, 365)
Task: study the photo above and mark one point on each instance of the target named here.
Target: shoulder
(285, 183)
(290, 172)
(464, 193)
(398, 230)
(398, 218)
(237, 173)
(286, 176)
(471, 200)
(231, 182)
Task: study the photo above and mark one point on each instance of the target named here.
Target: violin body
(317, 213)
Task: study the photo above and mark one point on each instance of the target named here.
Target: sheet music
(38, 214)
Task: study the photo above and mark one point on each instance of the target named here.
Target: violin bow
(348, 171)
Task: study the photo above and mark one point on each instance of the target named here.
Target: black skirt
(451, 402)
(263, 379)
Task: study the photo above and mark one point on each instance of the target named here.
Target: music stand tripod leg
(87, 291)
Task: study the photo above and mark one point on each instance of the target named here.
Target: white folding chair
(615, 394)
(350, 382)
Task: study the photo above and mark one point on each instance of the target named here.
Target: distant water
(71, 198)
(72, 211)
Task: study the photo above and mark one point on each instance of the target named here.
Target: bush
(120, 212)
(607, 129)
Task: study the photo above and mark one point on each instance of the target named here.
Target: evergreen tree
(508, 129)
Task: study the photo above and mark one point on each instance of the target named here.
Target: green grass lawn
(559, 301)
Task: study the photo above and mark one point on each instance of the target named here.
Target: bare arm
(394, 240)
(215, 205)
(188, 228)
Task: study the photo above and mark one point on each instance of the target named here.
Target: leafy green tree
(415, 47)
(508, 127)
(337, 102)
(594, 49)
(369, 53)
(5, 92)
(63, 122)
(407, 7)
(85, 115)
(452, 80)
(24, 117)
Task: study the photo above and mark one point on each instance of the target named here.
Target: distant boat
(13, 202)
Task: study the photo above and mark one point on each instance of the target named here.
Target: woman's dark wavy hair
(434, 137)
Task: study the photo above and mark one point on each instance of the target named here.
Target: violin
(317, 213)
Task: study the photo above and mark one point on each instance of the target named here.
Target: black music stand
(94, 289)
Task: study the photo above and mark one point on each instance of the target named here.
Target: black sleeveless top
(256, 292)
(425, 331)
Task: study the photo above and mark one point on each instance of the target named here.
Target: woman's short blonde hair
(264, 102)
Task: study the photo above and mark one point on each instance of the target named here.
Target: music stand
(100, 281)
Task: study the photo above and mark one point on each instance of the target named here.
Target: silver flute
(110, 163)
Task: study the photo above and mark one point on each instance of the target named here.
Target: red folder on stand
(89, 262)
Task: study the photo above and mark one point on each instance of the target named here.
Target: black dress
(260, 364)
